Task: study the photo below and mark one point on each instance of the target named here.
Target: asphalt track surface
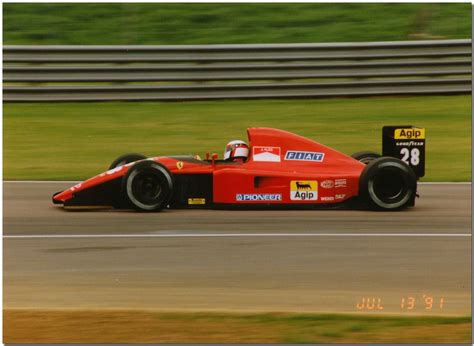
(205, 260)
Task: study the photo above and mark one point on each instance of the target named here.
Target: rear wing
(406, 143)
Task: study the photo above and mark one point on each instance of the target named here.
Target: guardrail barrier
(207, 72)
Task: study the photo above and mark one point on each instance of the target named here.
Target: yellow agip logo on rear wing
(409, 134)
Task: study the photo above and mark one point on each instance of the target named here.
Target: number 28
(411, 157)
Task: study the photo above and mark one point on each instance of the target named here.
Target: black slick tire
(127, 158)
(147, 186)
(365, 156)
(387, 183)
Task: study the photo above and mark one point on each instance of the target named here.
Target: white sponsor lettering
(410, 144)
(244, 197)
(293, 155)
(75, 187)
(114, 170)
(327, 184)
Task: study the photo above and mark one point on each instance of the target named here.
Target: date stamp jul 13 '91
(409, 303)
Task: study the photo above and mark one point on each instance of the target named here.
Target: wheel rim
(146, 188)
(390, 187)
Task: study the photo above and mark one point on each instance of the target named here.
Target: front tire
(127, 158)
(387, 183)
(147, 186)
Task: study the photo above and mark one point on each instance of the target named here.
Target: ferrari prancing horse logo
(180, 165)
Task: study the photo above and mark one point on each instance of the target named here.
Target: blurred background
(128, 23)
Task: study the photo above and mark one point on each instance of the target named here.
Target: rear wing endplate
(406, 143)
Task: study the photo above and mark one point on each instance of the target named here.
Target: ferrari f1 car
(282, 170)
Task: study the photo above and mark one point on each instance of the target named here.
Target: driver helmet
(236, 150)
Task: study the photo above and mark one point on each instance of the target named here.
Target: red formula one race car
(277, 170)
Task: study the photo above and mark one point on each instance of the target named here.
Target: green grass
(37, 326)
(114, 23)
(78, 140)
(316, 328)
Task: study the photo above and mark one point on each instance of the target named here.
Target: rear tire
(387, 183)
(365, 156)
(147, 186)
(127, 158)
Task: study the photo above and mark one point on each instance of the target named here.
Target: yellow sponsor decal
(180, 165)
(302, 190)
(196, 201)
(304, 185)
(409, 133)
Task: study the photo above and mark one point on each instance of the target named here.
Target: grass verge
(37, 326)
(174, 23)
(55, 141)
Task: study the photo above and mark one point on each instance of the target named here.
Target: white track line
(444, 183)
(224, 235)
